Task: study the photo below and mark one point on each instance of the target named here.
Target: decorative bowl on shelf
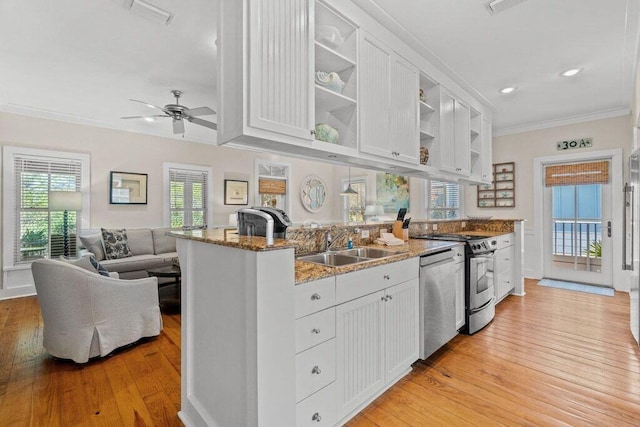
(424, 155)
(331, 81)
(329, 35)
(326, 133)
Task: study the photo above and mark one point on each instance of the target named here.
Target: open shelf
(424, 135)
(327, 100)
(426, 108)
(329, 60)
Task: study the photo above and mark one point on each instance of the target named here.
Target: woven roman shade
(272, 186)
(577, 173)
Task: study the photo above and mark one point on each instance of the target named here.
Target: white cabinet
(486, 154)
(274, 76)
(388, 110)
(454, 135)
(459, 283)
(376, 334)
(503, 262)
(360, 344)
(480, 136)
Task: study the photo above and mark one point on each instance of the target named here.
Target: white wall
(113, 150)
(523, 148)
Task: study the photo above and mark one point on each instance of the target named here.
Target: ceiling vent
(497, 6)
(149, 11)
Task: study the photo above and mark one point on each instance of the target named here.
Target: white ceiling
(81, 61)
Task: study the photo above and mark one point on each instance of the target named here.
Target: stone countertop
(307, 271)
(229, 237)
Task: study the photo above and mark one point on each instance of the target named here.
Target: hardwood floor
(553, 357)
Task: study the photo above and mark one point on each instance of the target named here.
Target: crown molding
(86, 121)
(571, 120)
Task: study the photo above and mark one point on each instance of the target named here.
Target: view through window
(188, 192)
(443, 200)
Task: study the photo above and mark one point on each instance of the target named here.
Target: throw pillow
(88, 263)
(116, 245)
(93, 244)
(99, 267)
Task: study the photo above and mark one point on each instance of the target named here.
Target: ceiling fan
(178, 113)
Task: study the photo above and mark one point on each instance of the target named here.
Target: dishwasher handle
(437, 258)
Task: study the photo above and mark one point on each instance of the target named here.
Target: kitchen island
(243, 304)
(238, 325)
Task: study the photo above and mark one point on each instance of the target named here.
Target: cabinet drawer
(503, 261)
(315, 296)
(315, 329)
(315, 368)
(506, 240)
(319, 409)
(362, 282)
(504, 284)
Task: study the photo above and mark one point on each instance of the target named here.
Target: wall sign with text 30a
(575, 143)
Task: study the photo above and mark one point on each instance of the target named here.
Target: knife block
(399, 232)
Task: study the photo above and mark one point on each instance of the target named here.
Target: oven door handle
(490, 256)
(475, 310)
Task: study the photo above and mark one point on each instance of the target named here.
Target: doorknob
(608, 228)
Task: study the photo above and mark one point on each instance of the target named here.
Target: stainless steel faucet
(330, 240)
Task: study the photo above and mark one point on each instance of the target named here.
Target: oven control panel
(483, 246)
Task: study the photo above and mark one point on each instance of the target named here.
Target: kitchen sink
(347, 256)
(332, 259)
(368, 252)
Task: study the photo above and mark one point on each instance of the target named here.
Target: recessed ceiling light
(149, 119)
(507, 89)
(570, 72)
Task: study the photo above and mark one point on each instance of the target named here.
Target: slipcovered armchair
(87, 315)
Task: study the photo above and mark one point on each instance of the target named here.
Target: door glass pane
(577, 227)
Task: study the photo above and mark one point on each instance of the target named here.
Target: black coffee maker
(254, 221)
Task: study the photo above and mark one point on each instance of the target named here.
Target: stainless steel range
(479, 292)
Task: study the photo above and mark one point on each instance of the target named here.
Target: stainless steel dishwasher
(437, 301)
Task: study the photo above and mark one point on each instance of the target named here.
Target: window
(34, 229)
(272, 186)
(188, 196)
(354, 204)
(444, 200)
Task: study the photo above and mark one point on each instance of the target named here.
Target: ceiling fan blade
(144, 117)
(205, 123)
(200, 111)
(147, 104)
(178, 126)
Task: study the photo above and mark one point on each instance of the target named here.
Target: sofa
(149, 247)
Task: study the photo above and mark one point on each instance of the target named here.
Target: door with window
(577, 221)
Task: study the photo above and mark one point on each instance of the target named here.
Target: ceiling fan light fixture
(571, 72)
(508, 89)
(149, 119)
(149, 11)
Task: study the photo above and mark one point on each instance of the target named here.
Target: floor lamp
(65, 201)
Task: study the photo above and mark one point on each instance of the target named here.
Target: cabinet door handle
(507, 259)
(316, 417)
(313, 132)
(390, 297)
(383, 298)
(316, 370)
(315, 331)
(315, 297)
(387, 277)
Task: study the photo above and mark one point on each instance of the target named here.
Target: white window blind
(443, 200)
(38, 231)
(188, 197)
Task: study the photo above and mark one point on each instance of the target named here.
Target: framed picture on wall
(236, 192)
(127, 188)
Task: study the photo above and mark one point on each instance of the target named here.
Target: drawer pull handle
(387, 277)
(315, 297)
(316, 370)
(507, 259)
(316, 417)
(390, 297)
(315, 331)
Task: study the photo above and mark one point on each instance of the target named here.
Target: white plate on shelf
(479, 217)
